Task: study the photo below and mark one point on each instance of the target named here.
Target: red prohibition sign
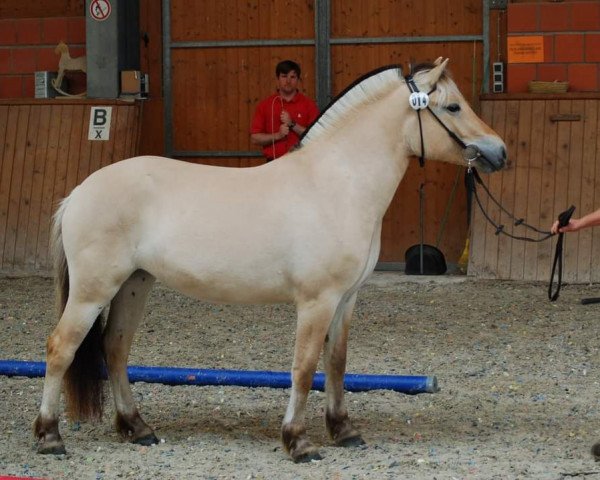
(100, 9)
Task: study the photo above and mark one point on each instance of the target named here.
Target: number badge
(418, 100)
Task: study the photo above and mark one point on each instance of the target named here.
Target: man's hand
(285, 117)
(284, 131)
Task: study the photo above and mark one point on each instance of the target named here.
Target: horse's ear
(437, 61)
(436, 72)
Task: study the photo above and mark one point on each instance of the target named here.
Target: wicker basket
(548, 87)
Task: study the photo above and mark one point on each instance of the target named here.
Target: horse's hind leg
(76, 321)
(126, 311)
(338, 425)
(313, 321)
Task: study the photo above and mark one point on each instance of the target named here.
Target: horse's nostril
(503, 151)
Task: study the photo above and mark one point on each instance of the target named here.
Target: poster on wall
(528, 49)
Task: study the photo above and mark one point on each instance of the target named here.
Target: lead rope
(273, 122)
(563, 221)
(472, 180)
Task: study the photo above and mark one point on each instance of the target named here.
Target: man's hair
(287, 66)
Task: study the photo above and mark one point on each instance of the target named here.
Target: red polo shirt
(266, 119)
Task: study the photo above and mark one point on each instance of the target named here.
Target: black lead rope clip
(563, 221)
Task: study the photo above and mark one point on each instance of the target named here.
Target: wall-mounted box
(43, 85)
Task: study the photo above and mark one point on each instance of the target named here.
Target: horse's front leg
(314, 319)
(338, 425)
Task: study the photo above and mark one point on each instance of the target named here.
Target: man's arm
(264, 139)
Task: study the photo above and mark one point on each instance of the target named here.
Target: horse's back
(167, 172)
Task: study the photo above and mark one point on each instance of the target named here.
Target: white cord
(273, 121)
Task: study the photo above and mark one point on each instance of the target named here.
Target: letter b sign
(99, 123)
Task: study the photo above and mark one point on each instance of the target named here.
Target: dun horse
(304, 229)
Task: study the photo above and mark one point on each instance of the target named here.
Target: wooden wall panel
(37, 187)
(152, 123)
(553, 164)
(41, 259)
(207, 20)
(521, 180)
(507, 191)
(593, 155)
(529, 151)
(588, 187)
(380, 18)
(215, 90)
(45, 154)
(351, 61)
(545, 249)
(572, 180)
(478, 229)
(20, 145)
(26, 185)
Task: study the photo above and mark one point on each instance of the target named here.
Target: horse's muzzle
(486, 156)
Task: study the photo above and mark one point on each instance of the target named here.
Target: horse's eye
(453, 107)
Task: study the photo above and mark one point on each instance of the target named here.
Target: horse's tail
(84, 389)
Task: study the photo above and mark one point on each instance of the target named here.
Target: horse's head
(451, 131)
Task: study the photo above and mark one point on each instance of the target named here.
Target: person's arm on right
(575, 224)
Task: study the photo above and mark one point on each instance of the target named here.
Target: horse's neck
(366, 155)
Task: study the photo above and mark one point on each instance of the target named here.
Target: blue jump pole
(410, 385)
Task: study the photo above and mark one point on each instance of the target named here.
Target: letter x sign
(99, 123)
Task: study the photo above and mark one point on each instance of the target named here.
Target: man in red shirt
(281, 118)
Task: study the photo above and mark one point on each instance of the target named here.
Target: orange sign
(526, 49)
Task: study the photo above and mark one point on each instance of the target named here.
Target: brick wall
(27, 45)
(571, 32)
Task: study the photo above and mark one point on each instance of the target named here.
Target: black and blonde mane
(366, 89)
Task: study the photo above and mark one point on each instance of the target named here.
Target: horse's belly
(231, 286)
(245, 259)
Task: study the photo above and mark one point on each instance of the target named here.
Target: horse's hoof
(147, 440)
(596, 451)
(308, 457)
(52, 448)
(355, 441)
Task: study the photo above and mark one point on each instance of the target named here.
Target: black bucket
(431, 261)
(434, 262)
